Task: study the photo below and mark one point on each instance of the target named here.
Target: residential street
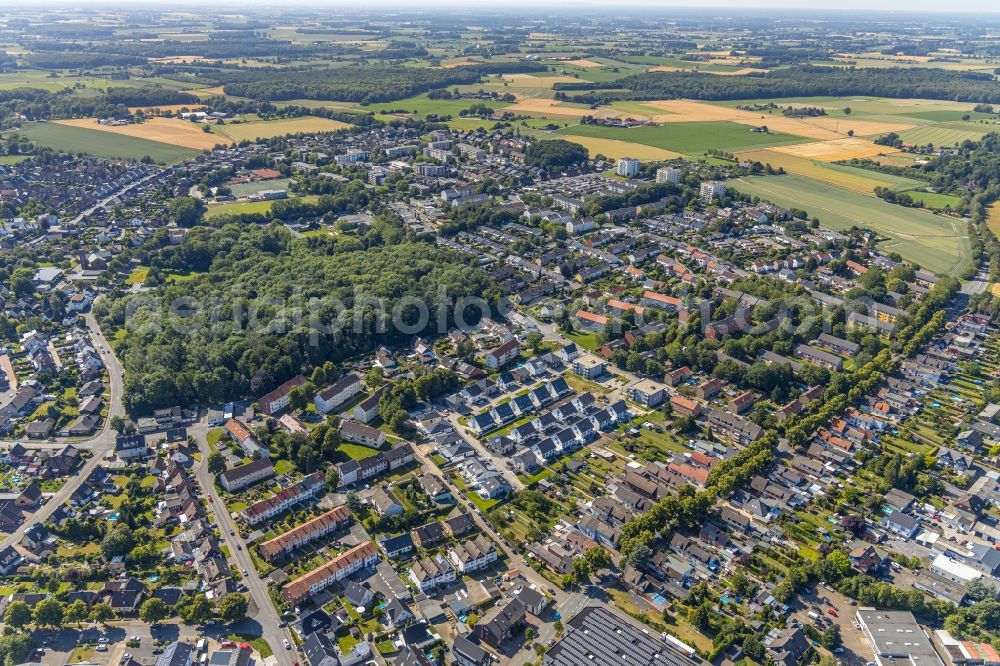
(266, 616)
(99, 444)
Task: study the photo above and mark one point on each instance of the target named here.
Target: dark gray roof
(598, 636)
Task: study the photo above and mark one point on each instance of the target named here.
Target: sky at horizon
(610, 6)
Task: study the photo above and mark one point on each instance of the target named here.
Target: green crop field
(945, 134)
(691, 138)
(103, 144)
(935, 242)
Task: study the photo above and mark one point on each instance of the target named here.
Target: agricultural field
(109, 145)
(852, 178)
(993, 221)
(617, 149)
(266, 129)
(935, 242)
(835, 150)
(171, 131)
(947, 134)
(689, 137)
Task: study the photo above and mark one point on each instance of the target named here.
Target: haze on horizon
(591, 6)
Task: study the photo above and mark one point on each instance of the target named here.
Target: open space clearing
(939, 244)
(835, 150)
(852, 178)
(265, 129)
(171, 131)
(103, 144)
(245, 207)
(689, 137)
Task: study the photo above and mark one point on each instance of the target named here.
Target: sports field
(173, 131)
(935, 242)
(103, 144)
(265, 129)
(689, 137)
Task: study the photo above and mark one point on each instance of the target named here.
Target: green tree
(48, 613)
(233, 608)
(185, 211)
(76, 612)
(534, 341)
(197, 611)
(101, 612)
(18, 614)
(830, 638)
(118, 542)
(153, 610)
(216, 463)
(297, 398)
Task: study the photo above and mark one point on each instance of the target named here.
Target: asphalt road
(266, 615)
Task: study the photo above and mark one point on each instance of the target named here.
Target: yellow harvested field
(531, 81)
(206, 92)
(618, 149)
(802, 166)
(834, 150)
(269, 128)
(860, 127)
(743, 71)
(174, 131)
(178, 60)
(549, 107)
(457, 63)
(993, 219)
(584, 63)
(687, 111)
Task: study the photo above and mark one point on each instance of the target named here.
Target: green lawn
(939, 244)
(356, 451)
(691, 138)
(138, 276)
(583, 339)
(934, 199)
(103, 144)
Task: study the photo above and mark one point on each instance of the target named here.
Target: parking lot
(109, 646)
(857, 651)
